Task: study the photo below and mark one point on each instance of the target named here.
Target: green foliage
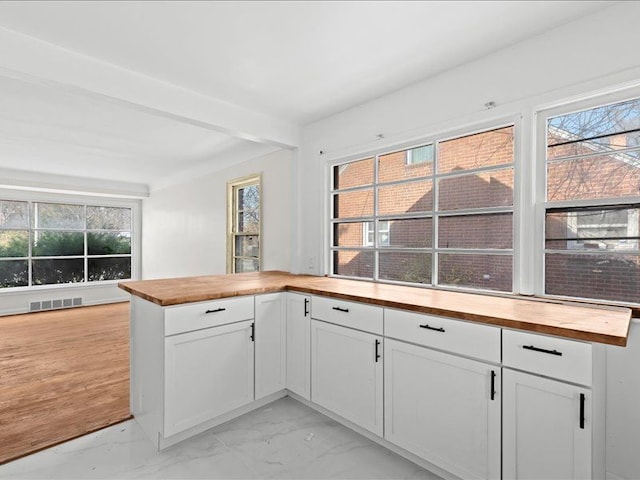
(108, 244)
(14, 243)
(13, 273)
(50, 243)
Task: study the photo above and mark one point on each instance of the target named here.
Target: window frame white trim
(232, 199)
(541, 115)
(480, 127)
(85, 200)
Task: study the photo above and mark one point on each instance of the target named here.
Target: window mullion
(435, 219)
(376, 225)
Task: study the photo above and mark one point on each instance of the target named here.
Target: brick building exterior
(603, 175)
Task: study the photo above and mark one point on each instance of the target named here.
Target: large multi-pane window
(53, 243)
(440, 213)
(592, 216)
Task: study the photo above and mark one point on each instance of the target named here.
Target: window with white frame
(592, 211)
(444, 221)
(383, 233)
(418, 155)
(45, 243)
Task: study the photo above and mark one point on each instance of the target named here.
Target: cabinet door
(546, 428)
(299, 345)
(443, 408)
(207, 373)
(346, 373)
(271, 328)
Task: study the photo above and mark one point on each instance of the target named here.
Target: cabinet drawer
(194, 316)
(350, 314)
(464, 338)
(568, 360)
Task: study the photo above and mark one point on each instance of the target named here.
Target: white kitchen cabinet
(553, 407)
(270, 344)
(299, 345)
(444, 408)
(547, 428)
(207, 373)
(346, 374)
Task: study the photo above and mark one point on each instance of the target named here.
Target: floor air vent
(55, 304)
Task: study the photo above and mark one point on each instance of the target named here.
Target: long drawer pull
(306, 307)
(582, 399)
(426, 326)
(542, 350)
(344, 310)
(377, 350)
(216, 310)
(493, 384)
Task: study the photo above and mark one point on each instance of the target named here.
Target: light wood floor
(63, 373)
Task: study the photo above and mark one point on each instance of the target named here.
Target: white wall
(184, 226)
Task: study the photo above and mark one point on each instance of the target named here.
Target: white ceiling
(294, 62)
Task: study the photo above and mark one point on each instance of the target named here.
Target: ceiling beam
(34, 60)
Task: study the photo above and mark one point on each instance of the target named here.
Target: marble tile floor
(284, 439)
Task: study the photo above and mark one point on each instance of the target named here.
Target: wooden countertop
(571, 320)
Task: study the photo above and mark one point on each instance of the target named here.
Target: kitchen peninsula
(467, 377)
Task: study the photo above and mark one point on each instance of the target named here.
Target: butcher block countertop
(606, 325)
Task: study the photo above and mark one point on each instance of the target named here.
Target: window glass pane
(14, 214)
(597, 147)
(353, 204)
(353, 263)
(411, 197)
(418, 155)
(490, 272)
(604, 120)
(54, 243)
(384, 233)
(14, 243)
(476, 231)
(247, 246)
(108, 218)
(117, 268)
(108, 243)
(487, 189)
(246, 265)
(593, 229)
(52, 271)
(48, 243)
(405, 164)
(353, 174)
(354, 234)
(412, 267)
(248, 221)
(249, 198)
(57, 215)
(410, 233)
(602, 276)
(484, 149)
(595, 177)
(14, 273)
